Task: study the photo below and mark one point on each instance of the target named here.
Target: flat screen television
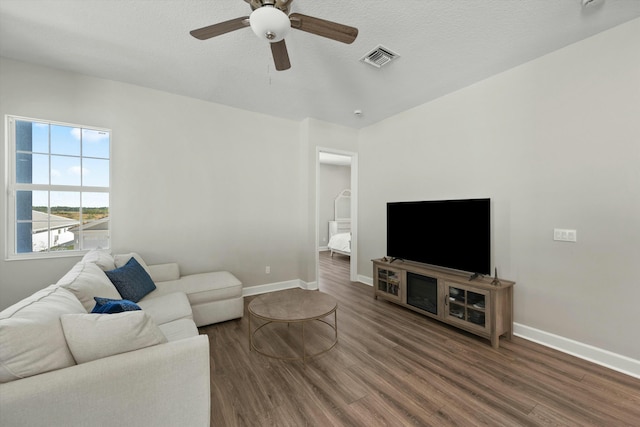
(454, 234)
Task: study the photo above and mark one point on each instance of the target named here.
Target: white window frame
(12, 187)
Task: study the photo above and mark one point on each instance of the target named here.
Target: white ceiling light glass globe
(269, 23)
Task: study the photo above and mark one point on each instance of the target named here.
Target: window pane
(32, 136)
(96, 204)
(95, 143)
(40, 201)
(65, 215)
(32, 168)
(33, 221)
(24, 168)
(65, 140)
(63, 236)
(65, 206)
(40, 135)
(65, 170)
(23, 136)
(40, 169)
(24, 203)
(24, 236)
(40, 231)
(95, 219)
(95, 172)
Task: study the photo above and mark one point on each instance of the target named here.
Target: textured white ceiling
(444, 45)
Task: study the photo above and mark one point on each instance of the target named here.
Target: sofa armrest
(163, 385)
(164, 272)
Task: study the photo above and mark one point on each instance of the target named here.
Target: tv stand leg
(495, 340)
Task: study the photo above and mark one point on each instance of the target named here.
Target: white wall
(555, 143)
(208, 186)
(332, 180)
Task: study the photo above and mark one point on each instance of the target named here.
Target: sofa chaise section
(162, 385)
(214, 296)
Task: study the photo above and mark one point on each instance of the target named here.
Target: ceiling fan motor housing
(270, 20)
(270, 23)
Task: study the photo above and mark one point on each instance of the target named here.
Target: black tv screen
(455, 234)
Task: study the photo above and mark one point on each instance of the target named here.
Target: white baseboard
(310, 286)
(606, 358)
(366, 280)
(278, 286)
(271, 287)
(323, 248)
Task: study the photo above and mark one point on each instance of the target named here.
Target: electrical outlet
(267, 269)
(565, 235)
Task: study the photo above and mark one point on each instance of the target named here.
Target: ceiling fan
(270, 20)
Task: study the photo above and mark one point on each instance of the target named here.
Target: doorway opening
(336, 206)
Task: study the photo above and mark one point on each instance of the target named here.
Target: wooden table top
(293, 305)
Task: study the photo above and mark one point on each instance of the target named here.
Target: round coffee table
(293, 306)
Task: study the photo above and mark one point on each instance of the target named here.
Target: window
(58, 186)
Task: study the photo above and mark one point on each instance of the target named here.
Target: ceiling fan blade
(324, 28)
(214, 30)
(280, 55)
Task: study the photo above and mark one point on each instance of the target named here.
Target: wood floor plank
(394, 367)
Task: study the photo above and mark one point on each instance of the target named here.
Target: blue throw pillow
(131, 280)
(107, 305)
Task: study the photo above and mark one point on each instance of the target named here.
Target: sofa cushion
(203, 287)
(164, 272)
(94, 336)
(167, 308)
(179, 329)
(100, 257)
(122, 259)
(131, 280)
(110, 306)
(86, 280)
(32, 327)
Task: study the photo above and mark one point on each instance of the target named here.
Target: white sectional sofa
(62, 365)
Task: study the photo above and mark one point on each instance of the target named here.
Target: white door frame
(353, 271)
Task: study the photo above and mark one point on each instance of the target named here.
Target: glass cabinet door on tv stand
(467, 305)
(388, 283)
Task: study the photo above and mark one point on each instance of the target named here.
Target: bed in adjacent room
(340, 227)
(340, 237)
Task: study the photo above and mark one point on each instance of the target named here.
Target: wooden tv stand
(477, 306)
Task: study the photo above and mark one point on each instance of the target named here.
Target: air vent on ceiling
(379, 56)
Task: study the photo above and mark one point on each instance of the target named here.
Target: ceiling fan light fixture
(269, 23)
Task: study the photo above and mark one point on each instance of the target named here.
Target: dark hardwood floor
(394, 367)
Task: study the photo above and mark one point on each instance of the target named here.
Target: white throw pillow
(31, 337)
(94, 336)
(86, 280)
(100, 257)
